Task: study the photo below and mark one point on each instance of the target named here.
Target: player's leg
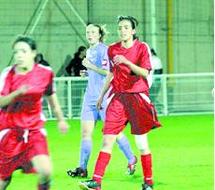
(87, 128)
(101, 164)
(125, 147)
(4, 183)
(43, 167)
(146, 159)
(123, 144)
(9, 163)
(86, 142)
(88, 118)
(89, 115)
(143, 118)
(114, 124)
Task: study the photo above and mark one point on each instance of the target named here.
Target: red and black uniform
(128, 100)
(22, 135)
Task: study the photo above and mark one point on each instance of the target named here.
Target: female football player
(23, 143)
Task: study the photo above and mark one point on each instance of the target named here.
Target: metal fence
(172, 94)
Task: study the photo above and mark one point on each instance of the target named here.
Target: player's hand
(99, 103)
(118, 59)
(83, 73)
(63, 126)
(87, 63)
(23, 89)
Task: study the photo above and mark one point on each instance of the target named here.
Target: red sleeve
(6, 80)
(50, 89)
(145, 61)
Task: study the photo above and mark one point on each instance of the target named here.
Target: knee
(119, 136)
(86, 132)
(86, 135)
(45, 172)
(142, 147)
(42, 165)
(108, 143)
(142, 144)
(144, 151)
(4, 183)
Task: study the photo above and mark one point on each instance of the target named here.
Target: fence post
(69, 98)
(165, 97)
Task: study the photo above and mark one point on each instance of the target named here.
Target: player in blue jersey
(97, 64)
(129, 102)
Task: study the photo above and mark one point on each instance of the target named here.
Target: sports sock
(86, 147)
(146, 161)
(101, 164)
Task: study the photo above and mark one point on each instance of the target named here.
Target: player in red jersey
(23, 142)
(128, 101)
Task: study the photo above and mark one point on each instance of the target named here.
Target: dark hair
(39, 57)
(30, 41)
(81, 48)
(78, 52)
(132, 20)
(102, 31)
(153, 52)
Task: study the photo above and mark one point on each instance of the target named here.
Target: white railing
(188, 93)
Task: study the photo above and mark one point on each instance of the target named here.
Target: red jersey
(124, 79)
(26, 110)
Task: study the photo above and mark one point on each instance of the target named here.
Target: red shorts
(18, 147)
(130, 107)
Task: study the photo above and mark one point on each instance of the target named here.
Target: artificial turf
(182, 157)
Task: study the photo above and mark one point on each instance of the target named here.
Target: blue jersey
(98, 56)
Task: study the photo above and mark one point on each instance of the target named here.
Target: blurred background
(182, 34)
(180, 31)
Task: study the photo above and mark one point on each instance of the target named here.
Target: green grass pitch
(182, 157)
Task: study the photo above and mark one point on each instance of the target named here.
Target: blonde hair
(102, 31)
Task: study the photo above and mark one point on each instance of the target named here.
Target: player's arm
(54, 103)
(6, 100)
(138, 70)
(120, 59)
(91, 66)
(105, 88)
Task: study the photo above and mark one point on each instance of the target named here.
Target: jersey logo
(104, 62)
